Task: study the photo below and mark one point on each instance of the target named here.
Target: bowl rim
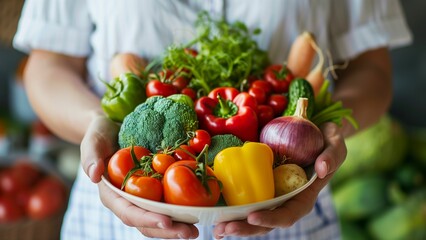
(158, 204)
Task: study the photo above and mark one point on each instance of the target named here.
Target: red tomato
(174, 78)
(180, 83)
(180, 154)
(278, 102)
(50, 182)
(189, 92)
(47, 198)
(262, 84)
(259, 94)
(156, 87)
(245, 99)
(121, 163)
(9, 210)
(202, 138)
(28, 173)
(265, 113)
(10, 183)
(279, 77)
(182, 186)
(22, 198)
(144, 187)
(161, 161)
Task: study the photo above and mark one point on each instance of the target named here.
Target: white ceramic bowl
(209, 215)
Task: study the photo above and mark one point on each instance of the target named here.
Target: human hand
(261, 222)
(98, 145)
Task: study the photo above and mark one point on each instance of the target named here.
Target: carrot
(316, 75)
(126, 62)
(301, 56)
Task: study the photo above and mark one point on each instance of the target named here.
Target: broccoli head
(157, 123)
(220, 142)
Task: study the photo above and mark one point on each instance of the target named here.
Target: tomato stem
(133, 155)
(283, 72)
(128, 175)
(201, 170)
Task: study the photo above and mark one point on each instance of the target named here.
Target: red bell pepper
(225, 110)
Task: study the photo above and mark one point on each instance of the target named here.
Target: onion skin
(293, 139)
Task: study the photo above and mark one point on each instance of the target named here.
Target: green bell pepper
(123, 94)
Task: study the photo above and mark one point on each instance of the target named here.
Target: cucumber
(298, 88)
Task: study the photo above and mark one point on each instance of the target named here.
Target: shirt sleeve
(357, 26)
(62, 26)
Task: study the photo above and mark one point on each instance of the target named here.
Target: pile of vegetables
(216, 120)
(379, 191)
(27, 191)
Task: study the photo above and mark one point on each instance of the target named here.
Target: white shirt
(99, 29)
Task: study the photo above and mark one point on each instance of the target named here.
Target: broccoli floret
(220, 142)
(187, 117)
(157, 123)
(172, 127)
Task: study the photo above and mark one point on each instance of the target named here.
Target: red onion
(294, 139)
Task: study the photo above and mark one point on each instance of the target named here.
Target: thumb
(334, 152)
(97, 146)
(92, 161)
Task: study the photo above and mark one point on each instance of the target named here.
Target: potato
(288, 177)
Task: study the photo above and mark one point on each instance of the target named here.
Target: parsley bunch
(227, 55)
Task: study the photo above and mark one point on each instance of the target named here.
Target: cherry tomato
(262, 84)
(202, 137)
(144, 187)
(191, 51)
(180, 82)
(245, 99)
(259, 94)
(279, 76)
(121, 163)
(189, 92)
(174, 78)
(9, 210)
(161, 161)
(47, 198)
(265, 113)
(182, 186)
(180, 154)
(278, 102)
(156, 87)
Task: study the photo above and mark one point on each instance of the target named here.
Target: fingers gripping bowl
(209, 215)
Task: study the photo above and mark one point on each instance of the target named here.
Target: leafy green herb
(227, 55)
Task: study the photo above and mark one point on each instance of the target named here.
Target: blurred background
(390, 156)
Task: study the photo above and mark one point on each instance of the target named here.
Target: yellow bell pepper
(246, 173)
